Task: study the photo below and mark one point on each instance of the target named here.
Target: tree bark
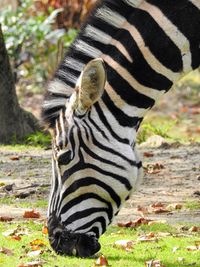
(15, 123)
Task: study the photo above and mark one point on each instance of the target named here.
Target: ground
(172, 175)
(170, 145)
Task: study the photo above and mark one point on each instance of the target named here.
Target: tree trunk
(15, 123)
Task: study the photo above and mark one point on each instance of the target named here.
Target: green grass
(192, 205)
(142, 251)
(23, 203)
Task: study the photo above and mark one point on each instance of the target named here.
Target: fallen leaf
(32, 264)
(154, 168)
(126, 245)
(31, 214)
(6, 219)
(146, 238)
(160, 210)
(16, 237)
(135, 223)
(34, 253)
(14, 158)
(157, 205)
(142, 210)
(2, 184)
(38, 242)
(19, 231)
(45, 230)
(6, 251)
(154, 263)
(150, 235)
(175, 206)
(194, 229)
(193, 248)
(126, 224)
(148, 154)
(101, 261)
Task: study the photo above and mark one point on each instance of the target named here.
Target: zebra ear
(91, 84)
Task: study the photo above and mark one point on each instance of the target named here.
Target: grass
(142, 251)
(23, 203)
(192, 205)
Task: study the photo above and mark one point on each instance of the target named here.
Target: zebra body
(127, 55)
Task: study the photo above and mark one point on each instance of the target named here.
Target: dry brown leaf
(135, 223)
(16, 237)
(126, 245)
(14, 157)
(101, 261)
(150, 235)
(175, 206)
(142, 210)
(194, 229)
(38, 242)
(145, 238)
(193, 248)
(148, 154)
(45, 230)
(160, 210)
(31, 214)
(32, 264)
(6, 251)
(126, 224)
(154, 168)
(6, 219)
(157, 205)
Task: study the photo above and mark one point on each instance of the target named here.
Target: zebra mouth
(66, 242)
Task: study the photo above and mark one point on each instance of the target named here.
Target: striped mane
(81, 52)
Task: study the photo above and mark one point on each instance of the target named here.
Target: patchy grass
(192, 205)
(23, 203)
(170, 248)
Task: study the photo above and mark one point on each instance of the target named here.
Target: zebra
(126, 56)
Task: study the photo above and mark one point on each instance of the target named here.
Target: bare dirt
(171, 175)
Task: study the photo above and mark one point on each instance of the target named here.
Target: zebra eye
(64, 158)
(79, 115)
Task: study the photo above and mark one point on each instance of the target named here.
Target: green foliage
(38, 139)
(31, 40)
(148, 129)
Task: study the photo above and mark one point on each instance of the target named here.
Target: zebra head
(94, 170)
(70, 198)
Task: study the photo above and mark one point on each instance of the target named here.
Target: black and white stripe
(146, 47)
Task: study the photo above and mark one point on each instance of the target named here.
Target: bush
(32, 40)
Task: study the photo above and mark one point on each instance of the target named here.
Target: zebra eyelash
(73, 64)
(110, 17)
(59, 88)
(87, 49)
(97, 35)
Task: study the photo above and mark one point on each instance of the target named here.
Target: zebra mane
(80, 53)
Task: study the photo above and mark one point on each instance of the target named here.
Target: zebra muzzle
(66, 242)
